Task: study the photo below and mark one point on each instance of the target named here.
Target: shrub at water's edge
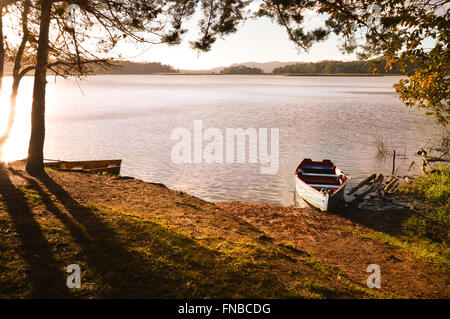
(431, 217)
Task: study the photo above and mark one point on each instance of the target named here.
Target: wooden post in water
(393, 163)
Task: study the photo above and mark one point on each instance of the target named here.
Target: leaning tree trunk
(35, 161)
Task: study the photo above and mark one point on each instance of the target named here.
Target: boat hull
(306, 196)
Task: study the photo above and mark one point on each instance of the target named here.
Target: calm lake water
(133, 117)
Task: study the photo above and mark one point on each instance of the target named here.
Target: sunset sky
(256, 41)
(259, 40)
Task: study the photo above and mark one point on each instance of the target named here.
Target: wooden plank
(364, 182)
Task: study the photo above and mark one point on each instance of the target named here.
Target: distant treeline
(331, 67)
(142, 68)
(241, 69)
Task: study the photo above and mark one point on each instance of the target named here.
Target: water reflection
(16, 146)
(132, 117)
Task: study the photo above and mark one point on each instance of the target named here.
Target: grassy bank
(431, 194)
(421, 248)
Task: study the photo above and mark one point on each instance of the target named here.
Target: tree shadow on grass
(126, 256)
(115, 271)
(46, 277)
(164, 264)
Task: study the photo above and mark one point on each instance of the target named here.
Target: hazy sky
(256, 41)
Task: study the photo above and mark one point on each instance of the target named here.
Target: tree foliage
(217, 18)
(333, 67)
(127, 67)
(241, 69)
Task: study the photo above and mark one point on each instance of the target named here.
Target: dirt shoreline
(336, 241)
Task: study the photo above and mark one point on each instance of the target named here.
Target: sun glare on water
(16, 146)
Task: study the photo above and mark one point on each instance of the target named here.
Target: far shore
(261, 74)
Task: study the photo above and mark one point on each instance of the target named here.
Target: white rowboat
(319, 184)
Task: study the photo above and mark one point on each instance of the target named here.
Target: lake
(132, 118)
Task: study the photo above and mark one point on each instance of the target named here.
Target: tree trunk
(35, 161)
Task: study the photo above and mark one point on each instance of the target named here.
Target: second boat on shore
(104, 166)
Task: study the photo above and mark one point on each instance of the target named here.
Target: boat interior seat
(318, 169)
(322, 180)
(319, 174)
